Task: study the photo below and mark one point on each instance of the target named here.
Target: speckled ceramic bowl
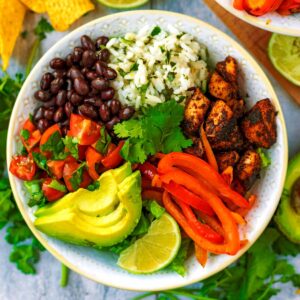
(289, 25)
(101, 266)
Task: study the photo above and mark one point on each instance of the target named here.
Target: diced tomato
(111, 147)
(56, 167)
(86, 130)
(28, 125)
(23, 167)
(82, 152)
(113, 158)
(46, 135)
(51, 193)
(148, 170)
(86, 180)
(92, 159)
(32, 141)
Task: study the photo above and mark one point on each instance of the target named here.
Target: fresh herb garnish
(76, 178)
(265, 158)
(155, 31)
(103, 142)
(122, 72)
(94, 186)
(171, 76)
(158, 130)
(25, 134)
(134, 67)
(71, 144)
(41, 161)
(55, 145)
(36, 195)
(54, 184)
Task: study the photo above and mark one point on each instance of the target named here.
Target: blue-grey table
(16, 286)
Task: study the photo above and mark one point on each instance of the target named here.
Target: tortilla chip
(37, 6)
(63, 13)
(12, 14)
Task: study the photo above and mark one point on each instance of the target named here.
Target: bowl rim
(41, 62)
(257, 22)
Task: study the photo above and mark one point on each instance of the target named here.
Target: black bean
(69, 60)
(93, 101)
(104, 55)
(65, 123)
(84, 71)
(88, 111)
(42, 96)
(46, 81)
(110, 74)
(56, 85)
(88, 58)
(42, 125)
(74, 73)
(38, 114)
(104, 113)
(61, 98)
(57, 63)
(87, 43)
(69, 94)
(49, 113)
(69, 84)
(101, 41)
(126, 113)
(81, 87)
(114, 106)
(58, 115)
(76, 99)
(100, 67)
(60, 73)
(93, 92)
(100, 84)
(110, 124)
(108, 94)
(91, 75)
(64, 130)
(50, 103)
(77, 54)
(69, 109)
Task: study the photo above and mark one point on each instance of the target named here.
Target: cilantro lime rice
(154, 65)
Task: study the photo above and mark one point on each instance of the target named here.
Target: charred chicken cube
(259, 124)
(238, 107)
(248, 167)
(195, 111)
(228, 69)
(196, 149)
(221, 128)
(220, 88)
(227, 159)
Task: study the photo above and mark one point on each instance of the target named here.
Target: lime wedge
(284, 52)
(122, 4)
(155, 250)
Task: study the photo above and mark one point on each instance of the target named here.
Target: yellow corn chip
(37, 6)
(12, 14)
(63, 13)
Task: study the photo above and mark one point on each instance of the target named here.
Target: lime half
(155, 250)
(284, 52)
(122, 4)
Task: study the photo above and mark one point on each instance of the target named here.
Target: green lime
(122, 4)
(284, 52)
(155, 250)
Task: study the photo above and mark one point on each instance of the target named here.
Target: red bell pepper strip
(201, 255)
(152, 195)
(202, 229)
(261, 7)
(232, 243)
(212, 222)
(204, 173)
(93, 158)
(186, 196)
(147, 170)
(113, 158)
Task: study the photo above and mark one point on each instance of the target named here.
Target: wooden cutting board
(255, 40)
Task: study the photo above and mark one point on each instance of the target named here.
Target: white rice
(154, 68)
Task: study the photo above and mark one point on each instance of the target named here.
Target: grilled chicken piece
(196, 149)
(228, 69)
(248, 167)
(238, 107)
(259, 124)
(221, 128)
(220, 88)
(195, 111)
(227, 159)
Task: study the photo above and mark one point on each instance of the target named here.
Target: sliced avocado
(72, 224)
(287, 216)
(122, 172)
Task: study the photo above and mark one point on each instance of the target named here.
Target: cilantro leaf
(103, 142)
(132, 128)
(265, 158)
(76, 178)
(25, 134)
(155, 31)
(41, 161)
(18, 232)
(42, 28)
(71, 144)
(54, 184)
(55, 145)
(36, 195)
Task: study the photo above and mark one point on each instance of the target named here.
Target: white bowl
(288, 25)
(101, 266)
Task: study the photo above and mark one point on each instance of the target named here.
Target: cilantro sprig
(158, 130)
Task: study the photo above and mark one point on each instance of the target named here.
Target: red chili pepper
(202, 171)
(148, 170)
(186, 196)
(113, 159)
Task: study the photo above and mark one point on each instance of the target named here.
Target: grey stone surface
(16, 286)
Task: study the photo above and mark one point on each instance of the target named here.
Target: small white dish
(101, 266)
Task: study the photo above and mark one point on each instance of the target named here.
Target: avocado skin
(69, 223)
(286, 218)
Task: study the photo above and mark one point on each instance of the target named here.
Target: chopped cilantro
(41, 161)
(134, 67)
(122, 72)
(103, 142)
(55, 145)
(54, 184)
(158, 130)
(76, 178)
(94, 186)
(25, 134)
(171, 76)
(71, 144)
(36, 195)
(265, 158)
(155, 31)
